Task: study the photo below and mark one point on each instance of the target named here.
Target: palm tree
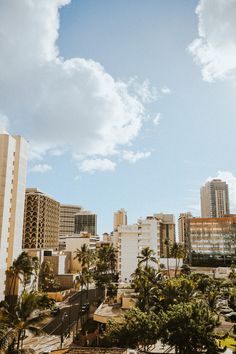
(24, 318)
(147, 255)
(20, 271)
(178, 251)
(85, 256)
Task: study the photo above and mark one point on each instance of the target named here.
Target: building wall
(214, 199)
(13, 165)
(41, 220)
(183, 229)
(120, 218)
(85, 221)
(67, 219)
(72, 243)
(213, 235)
(132, 239)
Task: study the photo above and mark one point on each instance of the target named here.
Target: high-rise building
(13, 166)
(213, 235)
(132, 239)
(214, 199)
(167, 233)
(86, 221)
(67, 219)
(183, 228)
(120, 218)
(41, 220)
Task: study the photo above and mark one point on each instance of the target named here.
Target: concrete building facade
(13, 168)
(215, 199)
(183, 228)
(213, 235)
(120, 218)
(86, 221)
(167, 233)
(132, 239)
(67, 219)
(41, 220)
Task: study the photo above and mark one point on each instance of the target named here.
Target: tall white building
(13, 165)
(214, 199)
(132, 239)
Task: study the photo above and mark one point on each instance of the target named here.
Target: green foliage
(189, 327)
(46, 277)
(138, 330)
(105, 270)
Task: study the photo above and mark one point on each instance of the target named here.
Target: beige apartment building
(183, 228)
(213, 235)
(120, 218)
(214, 199)
(13, 168)
(67, 219)
(167, 233)
(41, 220)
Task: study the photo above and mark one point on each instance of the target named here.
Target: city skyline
(154, 122)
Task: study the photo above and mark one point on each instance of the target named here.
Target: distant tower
(215, 199)
(86, 221)
(41, 220)
(120, 218)
(67, 219)
(13, 165)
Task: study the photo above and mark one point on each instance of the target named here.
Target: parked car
(55, 311)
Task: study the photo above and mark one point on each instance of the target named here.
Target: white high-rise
(13, 166)
(132, 239)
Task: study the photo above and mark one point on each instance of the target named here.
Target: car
(55, 311)
(231, 315)
(226, 310)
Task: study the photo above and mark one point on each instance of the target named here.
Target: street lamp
(63, 320)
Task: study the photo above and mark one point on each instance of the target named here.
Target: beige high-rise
(167, 233)
(215, 199)
(41, 220)
(183, 228)
(67, 219)
(13, 167)
(120, 218)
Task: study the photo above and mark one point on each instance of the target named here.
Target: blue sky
(146, 46)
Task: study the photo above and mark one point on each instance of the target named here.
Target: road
(70, 314)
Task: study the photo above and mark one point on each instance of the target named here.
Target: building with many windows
(13, 168)
(86, 221)
(183, 228)
(120, 218)
(132, 239)
(41, 220)
(167, 233)
(213, 235)
(67, 219)
(214, 199)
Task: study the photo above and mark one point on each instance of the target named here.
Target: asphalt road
(70, 314)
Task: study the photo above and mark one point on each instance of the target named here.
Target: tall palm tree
(147, 255)
(24, 318)
(178, 251)
(20, 271)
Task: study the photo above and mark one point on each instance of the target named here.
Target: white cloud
(3, 123)
(215, 48)
(133, 157)
(156, 120)
(41, 168)
(165, 90)
(97, 165)
(230, 178)
(57, 104)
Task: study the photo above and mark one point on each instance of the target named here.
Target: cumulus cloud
(41, 168)
(215, 48)
(230, 179)
(93, 165)
(133, 157)
(58, 104)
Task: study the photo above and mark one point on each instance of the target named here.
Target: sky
(125, 104)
